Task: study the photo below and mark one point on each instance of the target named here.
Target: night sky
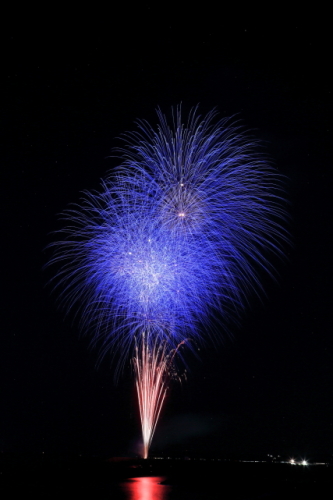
(69, 91)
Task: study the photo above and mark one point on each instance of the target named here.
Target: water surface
(146, 488)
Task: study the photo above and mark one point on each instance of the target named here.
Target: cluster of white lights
(292, 461)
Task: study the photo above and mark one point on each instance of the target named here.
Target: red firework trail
(152, 368)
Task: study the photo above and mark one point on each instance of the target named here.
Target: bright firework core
(182, 230)
(151, 274)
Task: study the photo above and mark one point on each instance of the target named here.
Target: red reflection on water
(146, 488)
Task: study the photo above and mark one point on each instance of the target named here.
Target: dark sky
(69, 90)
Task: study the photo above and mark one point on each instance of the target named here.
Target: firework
(211, 187)
(182, 231)
(153, 367)
(128, 276)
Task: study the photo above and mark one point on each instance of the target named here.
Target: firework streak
(152, 369)
(179, 234)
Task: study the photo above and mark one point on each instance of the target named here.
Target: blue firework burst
(182, 230)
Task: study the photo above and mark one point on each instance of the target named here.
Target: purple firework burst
(183, 229)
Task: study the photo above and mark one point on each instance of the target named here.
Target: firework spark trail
(182, 232)
(152, 366)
